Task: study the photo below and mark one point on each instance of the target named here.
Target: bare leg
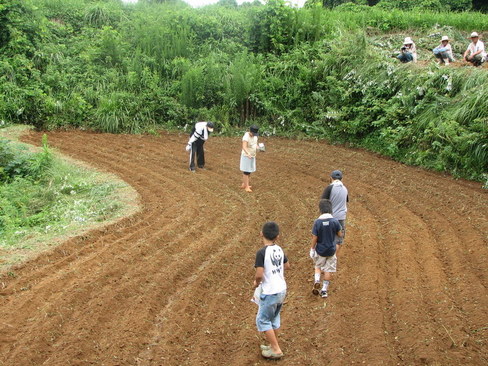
(338, 249)
(327, 276)
(272, 338)
(245, 182)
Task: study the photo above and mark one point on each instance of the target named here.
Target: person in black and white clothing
(270, 265)
(199, 134)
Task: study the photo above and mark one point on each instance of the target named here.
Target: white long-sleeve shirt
(201, 132)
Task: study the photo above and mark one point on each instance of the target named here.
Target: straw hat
(408, 40)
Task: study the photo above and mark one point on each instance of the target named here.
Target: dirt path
(171, 284)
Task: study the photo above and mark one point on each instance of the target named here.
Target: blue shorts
(268, 316)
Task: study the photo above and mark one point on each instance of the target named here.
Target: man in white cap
(199, 134)
(408, 52)
(443, 52)
(475, 52)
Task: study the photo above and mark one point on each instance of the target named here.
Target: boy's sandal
(268, 353)
(264, 347)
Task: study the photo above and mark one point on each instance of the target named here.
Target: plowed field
(171, 285)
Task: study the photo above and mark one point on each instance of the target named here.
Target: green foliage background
(311, 72)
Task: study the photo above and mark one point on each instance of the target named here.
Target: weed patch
(51, 198)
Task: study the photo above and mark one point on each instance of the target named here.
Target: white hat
(444, 38)
(408, 40)
(474, 34)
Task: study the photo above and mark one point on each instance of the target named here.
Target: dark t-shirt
(326, 229)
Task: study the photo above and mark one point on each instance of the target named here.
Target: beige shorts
(326, 264)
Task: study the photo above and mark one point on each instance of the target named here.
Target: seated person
(476, 51)
(443, 52)
(408, 52)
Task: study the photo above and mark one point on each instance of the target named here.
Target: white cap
(474, 34)
(408, 40)
(444, 38)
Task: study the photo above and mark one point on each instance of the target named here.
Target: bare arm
(258, 277)
(287, 265)
(244, 147)
(314, 241)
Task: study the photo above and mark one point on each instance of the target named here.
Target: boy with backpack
(324, 232)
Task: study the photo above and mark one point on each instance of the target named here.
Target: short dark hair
(325, 206)
(271, 230)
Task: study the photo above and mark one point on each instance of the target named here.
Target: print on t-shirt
(276, 258)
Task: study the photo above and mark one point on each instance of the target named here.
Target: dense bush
(312, 71)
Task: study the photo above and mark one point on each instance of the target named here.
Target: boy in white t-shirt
(270, 265)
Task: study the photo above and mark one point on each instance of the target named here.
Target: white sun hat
(474, 34)
(444, 38)
(408, 40)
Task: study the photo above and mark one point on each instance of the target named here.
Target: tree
(18, 18)
(334, 3)
(480, 5)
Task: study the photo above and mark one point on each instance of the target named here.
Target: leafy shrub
(16, 161)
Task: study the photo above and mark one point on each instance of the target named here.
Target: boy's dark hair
(271, 230)
(325, 206)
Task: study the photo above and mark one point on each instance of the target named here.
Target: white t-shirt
(200, 133)
(252, 144)
(272, 259)
(479, 46)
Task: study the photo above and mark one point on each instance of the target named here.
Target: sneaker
(316, 287)
(268, 353)
(323, 294)
(192, 170)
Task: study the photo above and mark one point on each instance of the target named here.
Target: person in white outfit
(199, 134)
(475, 53)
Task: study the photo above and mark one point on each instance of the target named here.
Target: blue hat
(336, 174)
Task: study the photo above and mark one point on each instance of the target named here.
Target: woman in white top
(443, 52)
(248, 155)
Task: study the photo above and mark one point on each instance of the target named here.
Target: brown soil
(171, 284)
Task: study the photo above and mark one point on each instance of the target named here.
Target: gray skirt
(248, 165)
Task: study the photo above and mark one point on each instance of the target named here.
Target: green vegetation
(320, 72)
(42, 196)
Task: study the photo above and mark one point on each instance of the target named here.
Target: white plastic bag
(257, 294)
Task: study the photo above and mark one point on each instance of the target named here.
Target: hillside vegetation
(311, 72)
